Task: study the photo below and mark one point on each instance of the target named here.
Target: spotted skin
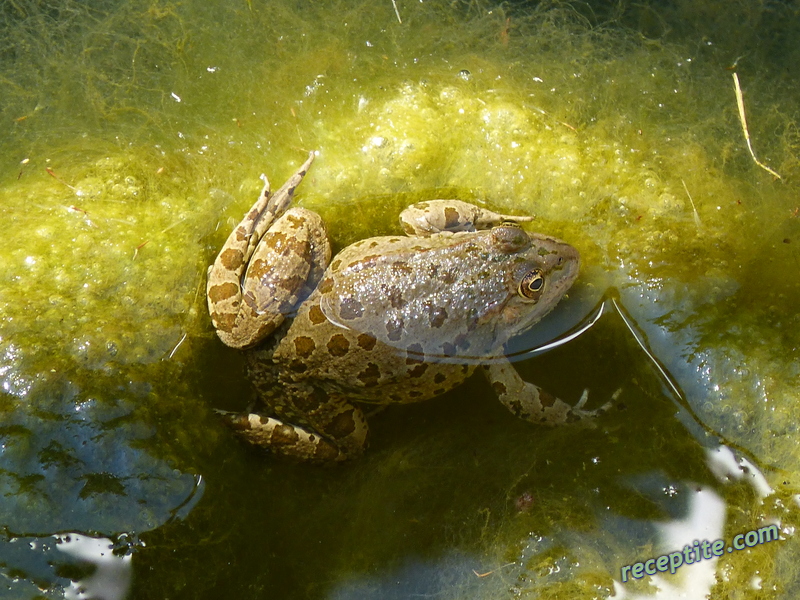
(391, 320)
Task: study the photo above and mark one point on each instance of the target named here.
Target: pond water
(134, 133)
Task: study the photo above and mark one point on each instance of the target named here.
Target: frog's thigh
(526, 400)
(294, 249)
(343, 426)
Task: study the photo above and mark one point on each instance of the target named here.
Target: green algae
(156, 118)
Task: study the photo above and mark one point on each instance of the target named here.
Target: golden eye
(532, 285)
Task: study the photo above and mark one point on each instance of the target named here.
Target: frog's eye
(532, 285)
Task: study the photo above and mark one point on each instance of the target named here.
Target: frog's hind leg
(344, 425)
(281, 250)
(286, 266)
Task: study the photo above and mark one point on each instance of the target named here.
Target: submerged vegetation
(134, 134)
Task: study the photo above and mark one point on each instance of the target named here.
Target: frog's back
(430, 294)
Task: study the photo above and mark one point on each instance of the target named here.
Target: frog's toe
(582, 414)
(582, 402)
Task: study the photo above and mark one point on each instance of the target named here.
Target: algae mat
(133, 136)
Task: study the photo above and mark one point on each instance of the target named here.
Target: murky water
(134, 133)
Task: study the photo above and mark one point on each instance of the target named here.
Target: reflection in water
(111, 579)
(725, 466)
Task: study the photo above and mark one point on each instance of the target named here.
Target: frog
(388, 320)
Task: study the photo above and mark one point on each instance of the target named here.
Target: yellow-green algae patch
(96, 270)
(155, 119)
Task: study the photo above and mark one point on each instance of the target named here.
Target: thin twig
(58, 179)
(139, 247)
(178, 345)
(397, 12)
(743, 120)
(694, 208)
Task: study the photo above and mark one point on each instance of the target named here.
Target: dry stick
(397, 12)
(743, 119)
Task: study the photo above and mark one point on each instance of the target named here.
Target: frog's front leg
(270, 260)
(528, 401)
(437, 216)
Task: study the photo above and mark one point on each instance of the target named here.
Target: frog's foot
(593, 414)
(294, 441)
(436, 216)
(528, 401)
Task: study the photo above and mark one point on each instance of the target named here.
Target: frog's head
(538, 271)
